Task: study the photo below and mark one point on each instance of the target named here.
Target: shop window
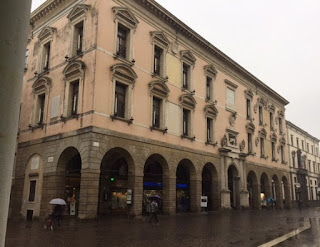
(32, 191)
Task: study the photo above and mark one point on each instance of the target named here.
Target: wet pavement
(223, 228)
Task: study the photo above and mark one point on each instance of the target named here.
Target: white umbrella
(58, 201)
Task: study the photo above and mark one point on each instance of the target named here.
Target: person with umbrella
(58, 209)
(153, 210)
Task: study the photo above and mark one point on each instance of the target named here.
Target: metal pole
(14, 20)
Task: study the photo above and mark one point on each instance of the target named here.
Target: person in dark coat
(153, 210)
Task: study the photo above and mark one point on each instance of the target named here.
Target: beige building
(304, 165)
(123, 102)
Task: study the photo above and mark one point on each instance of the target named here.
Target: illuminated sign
(153, 184)
(182, 186)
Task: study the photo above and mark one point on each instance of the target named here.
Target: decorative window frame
(160, 40)
(250, 128)
(212, 113)
(281, 117)
(282, 143)
(126, 18)
(188, 102)
(230, 134)
(186, 57)
(211, 72)
(125, 75)
(263, 135)
(272, 110)
(160, 90)
(232, 86)
(41, 86)
(74, 71)
(77, 14)
(249, 96)
(45, 37)
(273, 139)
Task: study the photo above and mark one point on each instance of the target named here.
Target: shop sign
(204, 201)
(182, 186)
(153, 184)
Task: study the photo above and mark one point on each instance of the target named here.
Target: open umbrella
(154, 197)
(58, 201)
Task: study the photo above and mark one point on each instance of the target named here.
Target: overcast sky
(277, 41)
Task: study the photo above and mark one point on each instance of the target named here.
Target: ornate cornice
(165, 16)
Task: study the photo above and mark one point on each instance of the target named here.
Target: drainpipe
(14, 20)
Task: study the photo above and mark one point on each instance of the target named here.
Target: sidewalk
(223, 228)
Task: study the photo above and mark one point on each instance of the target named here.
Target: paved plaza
(223, 228)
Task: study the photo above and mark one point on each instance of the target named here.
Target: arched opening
(285, 192)
(252, 187)
(210, 186)
(184, 172)
(233, 186)
(114, 182)
(69, 170)
(153, 182)
(264, 189)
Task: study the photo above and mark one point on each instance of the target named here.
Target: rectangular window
(308, 147)
(302, 144)
(26, 59)
(298, 143)
(230, 97)
(271, 121)
(314, 166)
(41, 101)
(273, 149)
(260, 115)
(186, 122)
(250, 143)
(209, 130)
(280, 126)
(291, 139)
(209, 88)
(120, 100)
(248, 109)
(32, 191)
(157, 60)
(122, 41)
(185, 76)
(293, 160)
(74, 92)
(78, 39)
(46, 56)
(311, 149)
(156, 117)
(262, 147)
(282, 154)
(309, 165)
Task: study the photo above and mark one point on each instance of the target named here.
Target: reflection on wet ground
(223, 228)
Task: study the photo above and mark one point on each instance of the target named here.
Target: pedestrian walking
(153, 210)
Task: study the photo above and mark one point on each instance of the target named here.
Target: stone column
(225, 192)
(169, 195)
(137, 191)
(14, 19)
(195, 195)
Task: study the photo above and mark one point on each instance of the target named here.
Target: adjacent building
(304, 165)
(123, 102)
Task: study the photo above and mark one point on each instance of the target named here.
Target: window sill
(274, 160)
(75, 57)
(264, 157)
(211, 101)
(128, 121)
(44, 72)
(37, 126)
(212, 143)
(183, 89)
(159, 77)
(284, 162)
(188, 137)
(124, 60)
(164, 131)
(251, 153)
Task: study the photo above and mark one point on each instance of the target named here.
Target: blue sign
(182, 186)
(153, 184)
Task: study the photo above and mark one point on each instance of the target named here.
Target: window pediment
(159, 88)
(210, 70)
(188, 57)
(272, 108)
(125, 16)
(159, 38)
(281, 114)
(46, 32)
(250, 128)
(273, 137)
(124, 72)
(211, 111)
(263, 132)
(249, 94)
(188, 101)
(282, 141)
(79, 10)
(74, 69)
(41, 85)
(262, 101)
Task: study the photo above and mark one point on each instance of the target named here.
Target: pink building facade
(122, 102)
